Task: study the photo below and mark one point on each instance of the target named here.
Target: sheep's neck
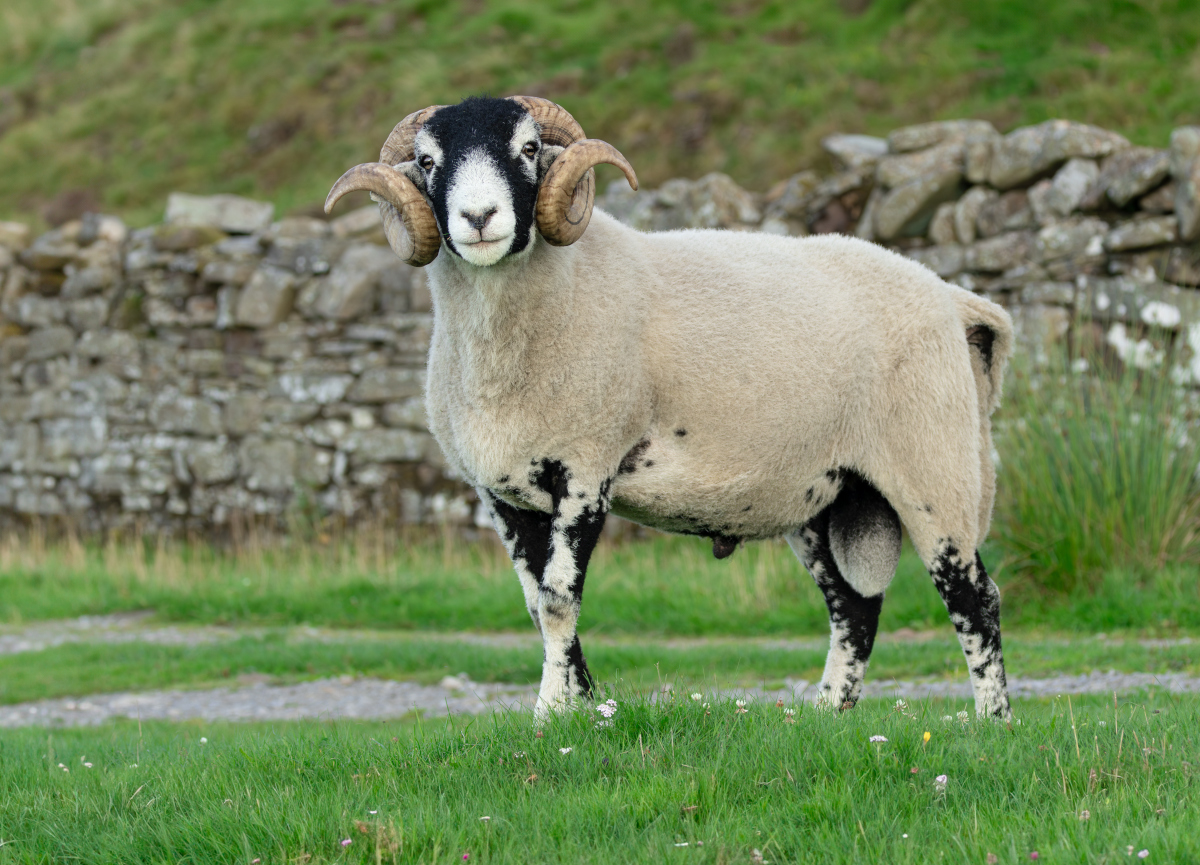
(496, 319)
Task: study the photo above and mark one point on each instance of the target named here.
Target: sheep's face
(480, 163)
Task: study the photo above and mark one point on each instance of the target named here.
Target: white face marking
(426, 145)
(525, 133)
(476, 189)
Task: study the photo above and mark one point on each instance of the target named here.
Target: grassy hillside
(121, 101)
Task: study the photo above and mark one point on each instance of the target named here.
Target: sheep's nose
(478, 219)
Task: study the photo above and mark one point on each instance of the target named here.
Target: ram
(720, 384)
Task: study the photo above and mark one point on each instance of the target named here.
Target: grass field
(122, 101)
(1083, 782)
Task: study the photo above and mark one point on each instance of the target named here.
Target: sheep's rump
(783, 361)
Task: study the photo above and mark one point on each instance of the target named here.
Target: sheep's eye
(427, 162)
(530, 149)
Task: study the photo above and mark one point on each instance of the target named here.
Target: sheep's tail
(989, 334)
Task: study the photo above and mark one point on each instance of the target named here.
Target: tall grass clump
(1098, 471)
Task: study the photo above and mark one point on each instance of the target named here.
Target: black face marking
(503, 480)
(808, 494)
(681, 432)
(982, 338)
(723, 546)
(648, 463)
(481, 123)
(747, 508)
(629, 461)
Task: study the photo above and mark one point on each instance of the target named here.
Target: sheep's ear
(546, 159)
(414, 173)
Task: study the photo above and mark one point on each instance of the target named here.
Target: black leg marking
(973, 601)
(853, 618)
(526, 536)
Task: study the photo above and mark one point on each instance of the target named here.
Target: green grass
(79, 669)
(664, 586)
(129, 99)
(662, 775)
(1098, 472)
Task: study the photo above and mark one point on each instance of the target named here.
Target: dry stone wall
(225, 364)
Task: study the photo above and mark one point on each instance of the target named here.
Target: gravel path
(329, 699)
(347, 697)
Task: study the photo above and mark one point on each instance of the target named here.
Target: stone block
(1078, 236)
(305, 256)
(14, 235)
(1185, 168)
(314, 387)
(1024, 154)
(186, 414)
(7, 258)
(979, 148)
(925, 135)
(49, 252)
(998, 254)
(243, 414)
(1070, 185)
(88, 280)
(365, 220)
(298, 228)
(268, 465)
(201, 311)
(944, 260)
(48, 342)
(383, 445)
(12, 349)
(907, 209)
(267, 298)
(105, 344)
(1141, 170)
(1008, 212)
(966, 212)
(227, 272)
(387, 384)
(854, 152)
(1161, 200)
(204, 361)
(897, 170)
(73, 437)
(179, 237)
(212, 462)
(1052, 293)
(103, 228)
(1142, 233)
(941, 227)
(230, 213)
(288, 412)
(349, 291)
(1183, 266)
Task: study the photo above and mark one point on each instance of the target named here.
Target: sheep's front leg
(526, 537)
(578, 518)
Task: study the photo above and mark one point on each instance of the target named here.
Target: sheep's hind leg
(579, 512)
(851, 549)
(973, 601)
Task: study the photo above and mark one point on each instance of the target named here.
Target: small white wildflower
(879, 738)
(940, 782)
(484, 819)
(372, 812)
(947, 718)
(517, 755)
(600, 725)
(707, 706)
(87, 765)
(789, 711)
(964, 716)
(203, 741)
(64, 768)
(1104, 723)
(901, 706)
(905, 835)
(564, 750)
(697, 697)
(606, 710)
(741, 704)
(1142, 854)
(612, 703)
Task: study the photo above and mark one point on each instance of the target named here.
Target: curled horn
(568, 191)
(408, 220)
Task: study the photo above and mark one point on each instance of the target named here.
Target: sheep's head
(481, 176)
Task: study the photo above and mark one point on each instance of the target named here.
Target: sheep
(720, 384)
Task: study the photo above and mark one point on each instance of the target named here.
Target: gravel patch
(378, 699)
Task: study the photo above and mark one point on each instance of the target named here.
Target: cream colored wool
(715, 383)
(779, 358)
